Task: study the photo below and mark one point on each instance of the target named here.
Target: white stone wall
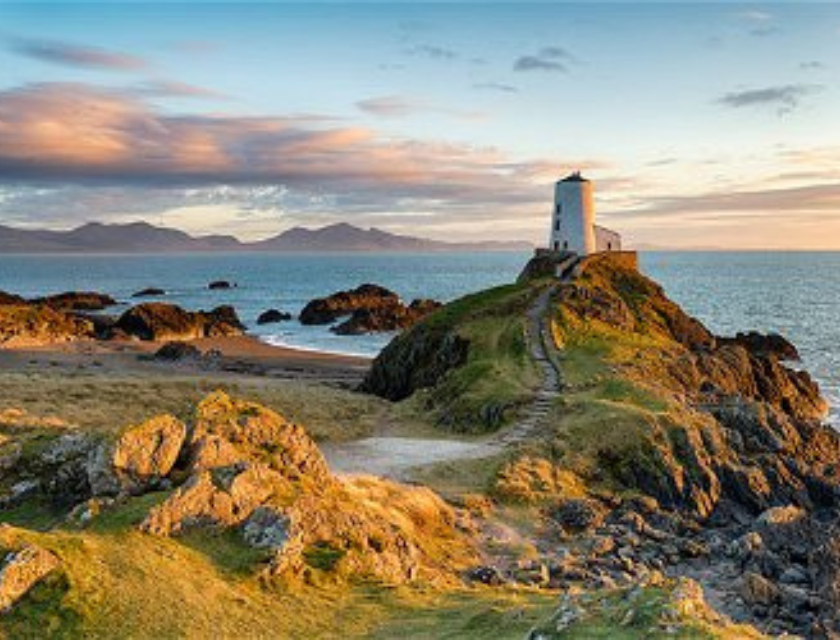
(573, 220)
(606, 239)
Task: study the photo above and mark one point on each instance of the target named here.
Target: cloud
(99, 151)
(495, 86)
(551, 59)
(755, 16)
(175, 89)
(398, 107)
(811, 65)
(73, 55)
(785, 98)
(388, 107)
(435, 52)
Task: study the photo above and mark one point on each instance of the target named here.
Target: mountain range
(142, 237)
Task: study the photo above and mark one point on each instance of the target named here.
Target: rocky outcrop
(415, 360)
(386, 318)
(763, 345)
(148, 292)
(23, 569)
(160, 321)
(76, 301)
(328, 310)
(177, 351)
(139, 459)
(35, 325)
(273, 315)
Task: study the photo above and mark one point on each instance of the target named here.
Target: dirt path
(394, 458)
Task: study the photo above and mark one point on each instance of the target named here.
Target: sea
(796, 294)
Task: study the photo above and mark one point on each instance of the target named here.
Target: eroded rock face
(22, 570)
(329, 309)
(161, 321)
(764, 345)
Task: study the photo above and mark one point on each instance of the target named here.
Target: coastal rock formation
(329, 309)
(273, 315)
(23, 569)
(161, 321)
(764, 345)
(35, 325)
(387, 318)
(176, 351)
(148, 292)
(76, 301)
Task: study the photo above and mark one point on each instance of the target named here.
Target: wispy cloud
(175, 89)
(551, 59)
(400, 107)
(495, 86)
(435, 52)
(75, 55)
(784, 98)
(812, 65)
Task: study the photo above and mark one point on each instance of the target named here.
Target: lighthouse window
(557, 225)
(559, 208)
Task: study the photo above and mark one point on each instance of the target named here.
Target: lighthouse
(573, 227)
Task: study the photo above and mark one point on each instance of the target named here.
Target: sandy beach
(234, 355)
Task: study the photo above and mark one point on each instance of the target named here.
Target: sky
(702, 125)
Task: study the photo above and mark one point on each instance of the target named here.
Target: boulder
(221, 284)
(176, 350)
(386, 318)
(266, 528)
(758, 590)
(139, 459)
(329, 309)
(37, 325)
(148, 292)
(22, 570)
(76, 301)
(273, 315)
(161, 321)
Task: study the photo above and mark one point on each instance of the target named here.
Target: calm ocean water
(796, 294)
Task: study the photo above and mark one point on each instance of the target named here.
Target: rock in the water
(329, 309)
(76, 301)
(386, 318)
(148, 292)
(273, 315)
(161, 321)
(177, 350)
(22, 570)
(221, 284)
(139, 459)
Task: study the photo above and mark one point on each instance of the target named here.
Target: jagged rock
(577, 515)
(139, 459)
(329, 309)
(22, 570)
(76, 301)
(273, 315)
(148, 292)
(160, 321)
(221, 284)
(486, 575)
(177, 350)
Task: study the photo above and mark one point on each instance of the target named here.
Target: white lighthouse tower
(573, 221)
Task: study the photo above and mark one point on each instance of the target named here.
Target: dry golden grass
(105, 403)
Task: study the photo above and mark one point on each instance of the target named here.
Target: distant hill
(141, 237)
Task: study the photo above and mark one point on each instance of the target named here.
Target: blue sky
(710, 124)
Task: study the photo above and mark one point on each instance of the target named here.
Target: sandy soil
(239, 355)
